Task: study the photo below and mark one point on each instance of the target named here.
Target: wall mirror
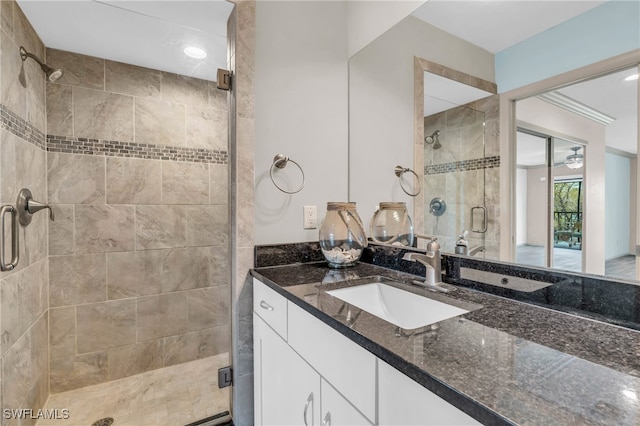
(576, 167)
(382, 131)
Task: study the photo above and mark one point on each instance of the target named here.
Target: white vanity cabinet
(405, 402)
(307, 373)
(287, 389)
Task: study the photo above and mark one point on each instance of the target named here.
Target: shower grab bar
(484, 219)
(15, 243)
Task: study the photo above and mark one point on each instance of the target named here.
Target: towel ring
(400, 171)
(280, 161)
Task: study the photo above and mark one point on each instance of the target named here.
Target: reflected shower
(434, 139)
(52, 73)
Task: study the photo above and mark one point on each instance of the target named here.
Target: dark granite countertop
(504, 362)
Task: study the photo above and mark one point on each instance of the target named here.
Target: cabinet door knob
(306, 408)
(327, 419)
(265, 305)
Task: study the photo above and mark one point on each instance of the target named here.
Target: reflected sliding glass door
(549, 201)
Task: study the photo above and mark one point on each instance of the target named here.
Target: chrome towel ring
(400, 171)
(280, 161)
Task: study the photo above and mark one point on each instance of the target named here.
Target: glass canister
(391, 224)
(342, 236)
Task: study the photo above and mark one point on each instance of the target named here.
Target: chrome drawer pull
(265, 305)
(306, 408)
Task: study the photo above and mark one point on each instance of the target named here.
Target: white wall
(547, 116)
(381, 102)
(301, 89)
(537, 206)
(368, 19)
(521, 206)
(617, 205)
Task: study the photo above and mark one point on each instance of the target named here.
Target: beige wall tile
(31, 170)
(186, 268)
(14, 94)
(62, 332)
(134, 274)
(159, 122)
(25, 369)
(128, 360)
(207, 225)
(161, 316)
(102, 115)
(196, 345)
(35, 82)
(79, 70)
(208, 307)
(160, 227)
(132, 80)
(219, 183)
(105, 325)
(77, 279)
(133, 181)
(61, 231)
(6, 16)
(207, 128)
(220, 269)
(7, 167)
(59, 110)
(185, 90)
(104, 228)
(185, 183)
(218, 99)
(24, 296)
(75, 179)
(76, 372)
(24, 34)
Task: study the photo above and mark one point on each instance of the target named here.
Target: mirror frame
(508, 128)
(420, 66)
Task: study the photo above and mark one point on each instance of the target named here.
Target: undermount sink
(399, 307)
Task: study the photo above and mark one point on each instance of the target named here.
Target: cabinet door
(337, 411)
(287, 388)
(404, 402)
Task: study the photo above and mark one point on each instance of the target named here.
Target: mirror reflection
(584, 218)
(576, 199)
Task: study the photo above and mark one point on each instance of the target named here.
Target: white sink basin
(402, 308)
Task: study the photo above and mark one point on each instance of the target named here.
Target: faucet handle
(34, 206)
(27, 206)
(463, 235)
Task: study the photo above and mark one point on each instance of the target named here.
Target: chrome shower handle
(15, 243)
(27, 206)
(34, 206)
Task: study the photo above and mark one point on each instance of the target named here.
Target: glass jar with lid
(342, 236)
(391, 224)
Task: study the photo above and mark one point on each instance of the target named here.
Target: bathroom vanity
(502, 362)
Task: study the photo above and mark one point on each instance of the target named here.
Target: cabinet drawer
(271, 307)
(344, 364)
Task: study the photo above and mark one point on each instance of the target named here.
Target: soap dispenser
(462, 245)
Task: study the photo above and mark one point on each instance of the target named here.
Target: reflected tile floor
(176, 395)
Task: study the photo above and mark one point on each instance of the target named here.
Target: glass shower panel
(454, 181)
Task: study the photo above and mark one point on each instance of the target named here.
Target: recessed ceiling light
(195, 52)
(632, 77)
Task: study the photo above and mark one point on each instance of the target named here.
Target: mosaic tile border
(147, 151)
(21, 128)
(461, 166)
(72, 145)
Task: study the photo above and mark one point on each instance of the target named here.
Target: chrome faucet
(462, 246)
(432, 262)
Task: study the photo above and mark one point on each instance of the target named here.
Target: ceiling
(517, 20)
(150, 34)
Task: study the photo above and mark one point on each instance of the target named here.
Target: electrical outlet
(310, 218)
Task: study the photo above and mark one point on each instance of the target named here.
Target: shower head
(434, 139)
(52, 73)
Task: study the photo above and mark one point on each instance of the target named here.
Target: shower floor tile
(176, 395)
